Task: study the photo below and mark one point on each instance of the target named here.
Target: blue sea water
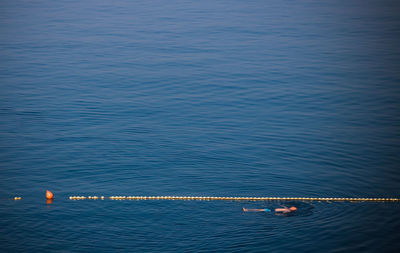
(199, 98)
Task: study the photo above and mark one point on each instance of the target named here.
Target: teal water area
(199, 98)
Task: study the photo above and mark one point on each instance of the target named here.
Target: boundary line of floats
(231, 198)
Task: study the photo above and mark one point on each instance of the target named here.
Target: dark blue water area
(199, 98)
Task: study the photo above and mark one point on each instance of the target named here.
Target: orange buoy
(49, 194)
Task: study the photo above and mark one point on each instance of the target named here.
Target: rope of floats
(231, 198)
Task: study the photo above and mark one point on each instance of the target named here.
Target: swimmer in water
(256, 210)
(285, 210)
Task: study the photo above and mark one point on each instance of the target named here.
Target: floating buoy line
(230, 198)
(49, 195)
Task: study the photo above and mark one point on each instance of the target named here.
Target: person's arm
(255, 210)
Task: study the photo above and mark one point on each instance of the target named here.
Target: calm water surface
(206, 98)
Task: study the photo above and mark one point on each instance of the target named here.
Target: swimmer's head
(293, 208)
